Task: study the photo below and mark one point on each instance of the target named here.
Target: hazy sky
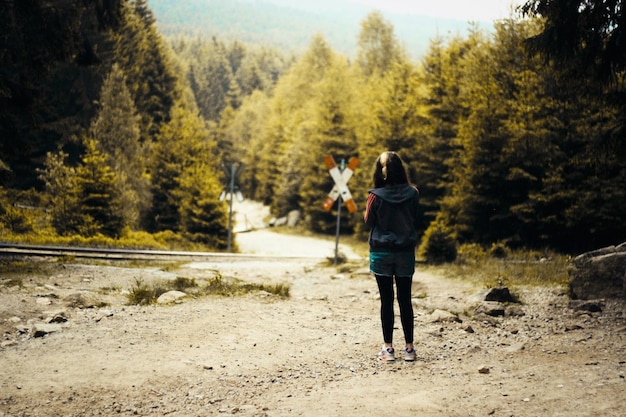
(476, 10)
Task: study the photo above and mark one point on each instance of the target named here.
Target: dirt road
(313, 354)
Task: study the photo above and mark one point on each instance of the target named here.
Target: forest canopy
(514, 136)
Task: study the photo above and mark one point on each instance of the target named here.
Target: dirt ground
(312, 354)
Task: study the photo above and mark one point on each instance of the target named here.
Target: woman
(392, 215)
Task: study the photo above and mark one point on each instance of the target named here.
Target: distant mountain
(289, 25)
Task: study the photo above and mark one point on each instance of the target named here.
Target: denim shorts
(390, 264)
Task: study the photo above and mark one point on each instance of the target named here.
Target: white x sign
(341, 183)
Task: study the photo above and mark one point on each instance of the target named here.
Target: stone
(293, 218)
(44, 301)
(592, 306)
(491, 308)
(442, 316)
(500, 295)
(43, 329)
(514, 311)
(83, 300)
(170, 297)
(599, 274)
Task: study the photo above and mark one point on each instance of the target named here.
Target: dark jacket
(392, 214)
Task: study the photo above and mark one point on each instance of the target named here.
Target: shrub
(498, 250)
(140, 293)
(438, 244)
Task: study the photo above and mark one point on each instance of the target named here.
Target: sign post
(340, 191)
(232, 173)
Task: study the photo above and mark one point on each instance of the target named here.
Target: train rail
(25, 251)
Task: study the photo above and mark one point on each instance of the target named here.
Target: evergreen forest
(110, 131)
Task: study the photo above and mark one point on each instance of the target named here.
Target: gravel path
(312, 354)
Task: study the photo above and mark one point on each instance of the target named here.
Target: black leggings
(385, 287)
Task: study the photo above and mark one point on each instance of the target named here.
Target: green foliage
(593, 48)
(219, 285)
(62, 190)
(99, 198)
(520, 267)
(438, 244)
(181, 143)
(182, 283)
(204, 219)
(48, 77)
(505, 145)
(141, 293)
(12, 218)
(116, 130)
(151, 73)
(378, 46)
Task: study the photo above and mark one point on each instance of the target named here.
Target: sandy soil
(312, 354)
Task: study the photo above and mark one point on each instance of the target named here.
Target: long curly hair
(389, 170)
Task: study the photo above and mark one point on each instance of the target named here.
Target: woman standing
(392, 215)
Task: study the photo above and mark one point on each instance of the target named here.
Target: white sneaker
(387, 354)
(409, 354)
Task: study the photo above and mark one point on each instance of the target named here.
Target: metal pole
(230, 211)
(339, 201)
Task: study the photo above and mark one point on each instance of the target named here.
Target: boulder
(293, 218)
(170, 297)
(499, 294)
(599, 274)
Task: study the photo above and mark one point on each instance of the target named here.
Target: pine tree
(149, 68)
(330, 130)
(116, 130)
(378, 46)
(246, 132)
(211, 78)
(62, 191)
(99, 199)
(204, 218)
(441, 77)
(183, 144)
(286, 134)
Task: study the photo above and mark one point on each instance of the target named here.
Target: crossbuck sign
(340, 188)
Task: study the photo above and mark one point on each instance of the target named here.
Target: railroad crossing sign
(340, 189)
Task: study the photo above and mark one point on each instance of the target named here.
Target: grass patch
(493, 268)
(109, 290)
(143, 294)
(218, 285)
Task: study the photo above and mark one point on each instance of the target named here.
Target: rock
(83, 300)
(516, 347)
(514, 311)
(293, 218)
(170, 297)
(44, 301)
(491, 308)
(58, 318)
(500, 295)
(599, 274)
(483, 370)
(43, 329)
(441, 316)
(276, 222)
(592, 306)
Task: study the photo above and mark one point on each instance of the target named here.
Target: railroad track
(19, 250)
